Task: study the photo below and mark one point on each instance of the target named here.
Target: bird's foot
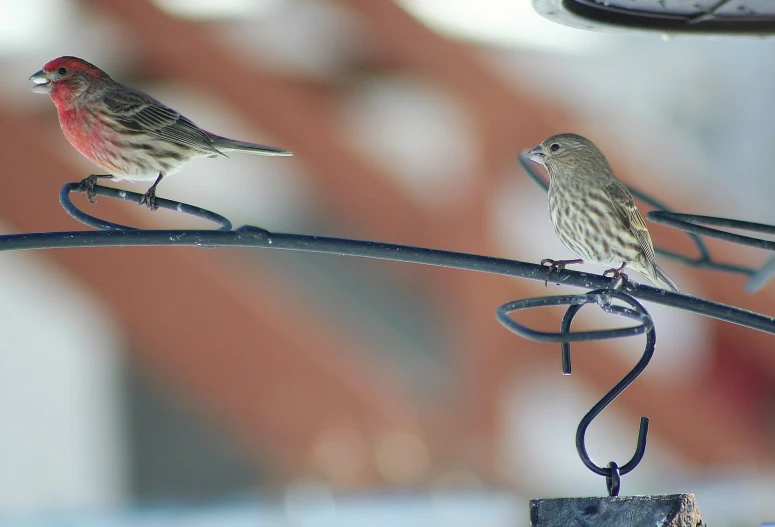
(88, 184)
(149, 199)
(618, 274)
(557, 265)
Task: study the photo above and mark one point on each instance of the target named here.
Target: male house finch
(125, 132)
(593, 213)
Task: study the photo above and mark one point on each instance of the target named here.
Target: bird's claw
(617, 273)
(556, 265)
(88, 185)
(149, 199)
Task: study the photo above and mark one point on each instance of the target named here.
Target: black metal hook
(603, 298)
(613, 472)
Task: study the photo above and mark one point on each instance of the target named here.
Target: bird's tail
(660, 279)
(224, 143)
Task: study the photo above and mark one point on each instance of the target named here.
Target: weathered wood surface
(675, 510)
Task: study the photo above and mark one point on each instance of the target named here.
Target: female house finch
(593, 213)
(125, 132)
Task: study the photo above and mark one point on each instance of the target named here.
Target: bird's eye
(554, 147)
(62, 71)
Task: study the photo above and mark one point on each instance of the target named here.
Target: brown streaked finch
(593, 213)
(125, 132)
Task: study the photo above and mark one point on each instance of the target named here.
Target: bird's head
(66, 78)
(569, 151)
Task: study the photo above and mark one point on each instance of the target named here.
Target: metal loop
(599, 296)
(98, 223)
(613, 480)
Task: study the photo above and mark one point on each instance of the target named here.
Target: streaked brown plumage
(593, 213)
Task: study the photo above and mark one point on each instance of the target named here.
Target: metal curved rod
(250, 236)
(608, 398)
(126, 195)
(599, 297)
(87, 219)
(690, 223)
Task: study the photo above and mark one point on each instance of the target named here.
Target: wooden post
(675, 510)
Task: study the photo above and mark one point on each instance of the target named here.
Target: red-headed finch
(593, 213)
(125, 132)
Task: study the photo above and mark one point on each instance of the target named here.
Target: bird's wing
(142, 113)
(628, 213)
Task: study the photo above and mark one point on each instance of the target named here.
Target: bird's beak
(537, 155)
(42, 82)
